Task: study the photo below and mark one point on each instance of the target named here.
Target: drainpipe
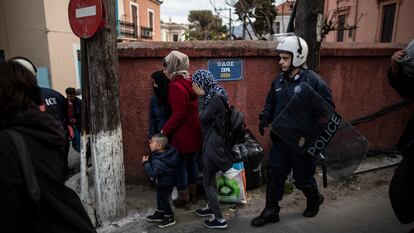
(355, 21)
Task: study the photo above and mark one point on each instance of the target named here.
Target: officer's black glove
(263, 123)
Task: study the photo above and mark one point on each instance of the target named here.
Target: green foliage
(205, 26)
(260, 14)
(288, 188)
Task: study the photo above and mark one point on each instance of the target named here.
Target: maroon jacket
(183, 128)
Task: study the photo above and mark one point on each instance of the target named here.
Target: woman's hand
(396, 57)
(145, 158)
(198, 90)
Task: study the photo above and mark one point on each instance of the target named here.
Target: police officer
(293, 51)
(53, 103)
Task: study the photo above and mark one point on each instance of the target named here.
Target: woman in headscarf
(183, 127)
(212, 116)
(159, 110)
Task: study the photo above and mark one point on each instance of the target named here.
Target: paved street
(367, 213)
(360, 205)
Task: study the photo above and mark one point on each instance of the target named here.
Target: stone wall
(356, 73)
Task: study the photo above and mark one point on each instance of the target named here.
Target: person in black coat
(160, 110)
(214, 156)
(74, 116)
(161, 165)
(74, 105)
(401, 191)
(33, 194)
(55, 104)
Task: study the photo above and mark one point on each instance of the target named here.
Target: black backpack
(233, 130)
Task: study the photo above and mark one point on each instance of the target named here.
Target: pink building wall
(356, 74)
(143, 19)
(370, 22)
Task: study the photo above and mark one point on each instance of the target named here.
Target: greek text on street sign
(226, 69)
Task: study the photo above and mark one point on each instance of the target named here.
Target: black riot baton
(324, 176)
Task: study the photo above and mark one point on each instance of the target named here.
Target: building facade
(284, 10)
(372, 21)
(40, 31)
(139, 20)
(173, 32)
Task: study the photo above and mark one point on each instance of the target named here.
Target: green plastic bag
(231, 185)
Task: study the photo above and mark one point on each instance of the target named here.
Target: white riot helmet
(297, 47)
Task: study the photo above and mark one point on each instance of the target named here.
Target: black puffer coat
(59, 208)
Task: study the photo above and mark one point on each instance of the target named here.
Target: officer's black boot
(271, 212)
(313, 200)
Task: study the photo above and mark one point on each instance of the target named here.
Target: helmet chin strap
(288, 71)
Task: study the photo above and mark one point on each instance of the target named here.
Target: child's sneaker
(204, 212)
(167, 221)
(215, 223)
(158, 216)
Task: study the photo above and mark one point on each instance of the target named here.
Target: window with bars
(277, 27)
(388, 15)
(341, 25)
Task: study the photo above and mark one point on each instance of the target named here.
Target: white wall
(284, 22)
(63, 63)
(23, 30)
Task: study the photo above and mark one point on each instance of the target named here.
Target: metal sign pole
(85, 123)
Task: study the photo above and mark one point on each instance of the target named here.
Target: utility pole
(230, 30)
(85, 123)
(244, 26)
(105, 122)
(308, 25)
(225, 9)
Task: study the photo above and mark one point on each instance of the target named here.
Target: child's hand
(145, 158)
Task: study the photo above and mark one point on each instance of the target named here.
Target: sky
(178, 9)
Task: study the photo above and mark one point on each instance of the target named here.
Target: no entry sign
(86, 17)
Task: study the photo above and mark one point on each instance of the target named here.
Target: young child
(161, 165)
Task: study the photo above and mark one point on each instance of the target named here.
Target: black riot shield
(311, 126)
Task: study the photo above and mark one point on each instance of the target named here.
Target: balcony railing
(127, 30)
(146, 33)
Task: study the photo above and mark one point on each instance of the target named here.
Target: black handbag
(251, 153)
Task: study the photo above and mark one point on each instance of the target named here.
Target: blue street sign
(226, 69)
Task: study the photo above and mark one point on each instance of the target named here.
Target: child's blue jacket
(162, 166)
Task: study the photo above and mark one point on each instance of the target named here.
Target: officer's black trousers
(283, 160)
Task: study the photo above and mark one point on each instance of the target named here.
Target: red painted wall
(356, 74)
